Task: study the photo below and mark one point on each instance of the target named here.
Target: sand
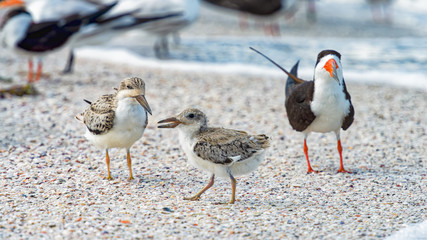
(53, 181)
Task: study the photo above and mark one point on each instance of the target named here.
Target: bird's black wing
(298, 107)
(348, 120)
(257, 7)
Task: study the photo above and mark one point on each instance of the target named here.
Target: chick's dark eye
(191, 115)
(129, 87)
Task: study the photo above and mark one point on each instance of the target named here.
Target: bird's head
(8, 8)
(133, 87)
(328, 66)
(190, 119)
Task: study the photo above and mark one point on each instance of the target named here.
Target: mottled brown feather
(99, 117)
(219, 144)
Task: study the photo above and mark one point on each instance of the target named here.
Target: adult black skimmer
(381, 10)
(101, 34)
(128, 15)
(125, 16)
(52, 10)
(117, 120)
(257, 7)
(221, 152)
(162, 29)
(20, 34)
(267, 12)
(322, 105)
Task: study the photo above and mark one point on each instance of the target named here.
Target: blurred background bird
(163, 29)
(202, 42)
(381, 10)
(47, 20)
(266, 13)
(20, 34)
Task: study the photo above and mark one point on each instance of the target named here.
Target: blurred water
(395, 53)
(406, 54)
(399, 61)
(358, 54)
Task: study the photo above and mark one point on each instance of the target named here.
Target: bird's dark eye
(191, 115)
(129, 87)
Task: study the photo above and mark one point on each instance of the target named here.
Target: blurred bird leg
(197, 196)
(39, 70)
(30, 70)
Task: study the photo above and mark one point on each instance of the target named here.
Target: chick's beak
(331, 66)
(169, 123)
(141, 99)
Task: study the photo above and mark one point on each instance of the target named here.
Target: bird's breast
(330, 107)
(130, 115)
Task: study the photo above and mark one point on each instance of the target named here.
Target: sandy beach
(53, 181)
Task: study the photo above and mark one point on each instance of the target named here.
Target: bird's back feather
(223, 146)
(99, 117)
(290, 82)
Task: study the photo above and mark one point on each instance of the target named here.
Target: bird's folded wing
(99, 117)
(44, 36)
(348, 120)
(298, 106)
(225, 146)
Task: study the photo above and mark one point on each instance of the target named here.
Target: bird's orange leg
(233, 189)
(107, 160)
(342, 170)
(129, 165)
(309, 170)
(39, 71)
(30, 70)
(197, 196)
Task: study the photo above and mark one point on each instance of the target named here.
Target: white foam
(412, 232)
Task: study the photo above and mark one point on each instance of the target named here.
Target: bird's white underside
(14, 31)
(129, 125)
(329, 104)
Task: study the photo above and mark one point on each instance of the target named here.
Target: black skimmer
(117, 120)
(20, 34)
(322, 105)
(125, 16)
(219, 151)
(99, 35)
(257, 7)
(266, 12)
(381, 12)
(128, 16)
(52, 10)
(162, 29)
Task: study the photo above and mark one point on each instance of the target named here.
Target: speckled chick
(117, 120)
(219, 151)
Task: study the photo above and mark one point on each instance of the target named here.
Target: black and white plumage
(119, 20)
(322, 105)
(163, 29)
(117, 120)
(257, 7)
(219, 151)
(20, 34)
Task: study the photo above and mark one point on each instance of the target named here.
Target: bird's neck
(191, 131)
(326, 87)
